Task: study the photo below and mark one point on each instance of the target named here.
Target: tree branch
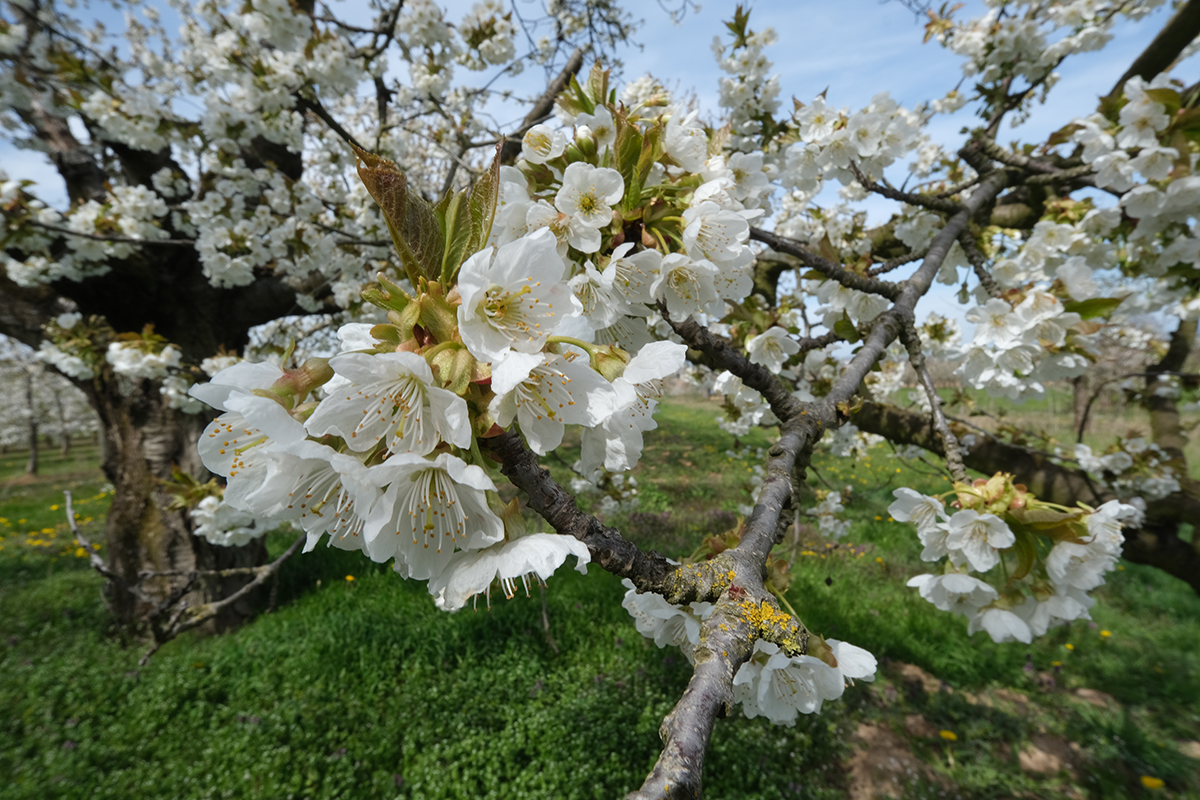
(835, 272)
(543, 108)
(1180, 31)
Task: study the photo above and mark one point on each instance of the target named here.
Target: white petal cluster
(225, 526)
(135, 362)
(781, 687)
(1007, 356)
(974, 542)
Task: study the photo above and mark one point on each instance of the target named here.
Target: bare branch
(118, 239)
(543, 108)
(924, 200)
(1180, 31)
(836, 272)
(979, 264)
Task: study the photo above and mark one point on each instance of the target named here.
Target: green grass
(363, 689)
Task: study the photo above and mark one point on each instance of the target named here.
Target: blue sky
(855, 48)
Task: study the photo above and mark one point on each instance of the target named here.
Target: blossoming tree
(489, 290)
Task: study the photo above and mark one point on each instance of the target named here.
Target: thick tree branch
(1180, 31)
(611, 550)
(543, 108)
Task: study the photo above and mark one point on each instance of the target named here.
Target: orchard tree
(489, 289)
(41, 403)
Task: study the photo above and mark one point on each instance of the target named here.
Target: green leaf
(466, 220)
(411, 220)
(597, 85)
(1168, 97)
(1026, 555)
(845, 329)
(1095, 307)
(581, 98)
(628, 149)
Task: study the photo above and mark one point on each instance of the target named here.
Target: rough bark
(144, 439)
(31, 466)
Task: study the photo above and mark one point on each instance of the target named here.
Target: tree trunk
(64, 427)
(1079, 385)
(144, 439)
(31, 466)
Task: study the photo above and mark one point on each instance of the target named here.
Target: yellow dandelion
(1056, 663)
(1106, 634)
(949, 736)
(350, 577)
(1151, 782)
(1069, 646)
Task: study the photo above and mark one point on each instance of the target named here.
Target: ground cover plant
(311, 280)
(360, 688)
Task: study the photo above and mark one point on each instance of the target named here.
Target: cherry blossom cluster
(1028, 40)
(830, 141)
(1013, 565)
(828, 512)
(749, 94)
(771, 683)
(1017, 349)
(1135, 470)
(613, 493)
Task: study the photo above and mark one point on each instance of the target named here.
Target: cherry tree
(489, 288)
(42, 404)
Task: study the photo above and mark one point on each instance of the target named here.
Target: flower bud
(386, 295)
(609, 360)
(509, 514)
(819, 648)
(438, 317)
(456, 368)
(296, 384)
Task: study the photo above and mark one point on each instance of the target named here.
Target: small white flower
(955, 592)
(429, 509)
(391, 397)
(588, 193)
(545, 392)
(472, 572)
(686, 286)
(513, 297)
(542, 143)
(1001, 624)
(979, 537)
(772, 348)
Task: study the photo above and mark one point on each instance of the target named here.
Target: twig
(954, 460)
(197, 615)
(836, 272)
(95, 560)
(897, 262)
(979, 264)
(117, 239)
(926, 201)
(314, 105)
(546, 620)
